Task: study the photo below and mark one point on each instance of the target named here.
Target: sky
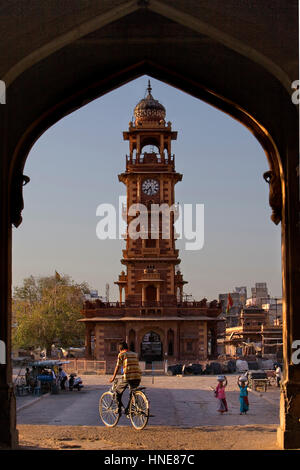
(74, 167)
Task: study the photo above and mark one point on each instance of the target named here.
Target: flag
(229, 303)
(57, 276)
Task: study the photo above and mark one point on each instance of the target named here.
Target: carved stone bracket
(275, 195)
(17, 203)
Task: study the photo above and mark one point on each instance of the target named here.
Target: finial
(149, 87)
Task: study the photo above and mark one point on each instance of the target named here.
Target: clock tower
(152, 315)
(150, 256)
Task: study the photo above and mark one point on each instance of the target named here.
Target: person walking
(220, 394)
(278, 375)
(244, 402)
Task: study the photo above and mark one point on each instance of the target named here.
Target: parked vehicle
(213, 368)
(257, 379)
(189, 369)
(193, 369)
(176, 369)
(75, 382)
(45, 373)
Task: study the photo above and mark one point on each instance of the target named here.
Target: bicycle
(138, 410)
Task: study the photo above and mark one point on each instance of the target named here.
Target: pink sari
(220, 395)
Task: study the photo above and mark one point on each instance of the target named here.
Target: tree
(46, 311)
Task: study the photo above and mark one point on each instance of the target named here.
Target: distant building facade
(259, 295)
(254, 335)
(239, 298)
(274, 310)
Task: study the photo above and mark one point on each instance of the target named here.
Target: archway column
(165, 344)
(143, 294)
(157, 292)
(288, 433)
(8, 431)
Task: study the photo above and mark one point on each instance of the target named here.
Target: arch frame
(282, 150)
(101, 87)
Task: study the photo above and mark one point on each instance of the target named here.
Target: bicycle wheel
(139, 410)
(108, 409)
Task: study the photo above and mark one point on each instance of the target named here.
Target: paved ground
(174, 401)
(184, 410)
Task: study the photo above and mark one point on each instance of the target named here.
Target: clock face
(150, 187)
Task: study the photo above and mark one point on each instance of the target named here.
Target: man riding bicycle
(132, 373)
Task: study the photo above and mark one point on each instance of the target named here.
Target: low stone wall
(85, 366)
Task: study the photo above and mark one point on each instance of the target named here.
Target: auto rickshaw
(45, 375)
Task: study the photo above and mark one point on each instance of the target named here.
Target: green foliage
(46, 310)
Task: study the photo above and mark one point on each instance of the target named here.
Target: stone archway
(146, 330)
(151, 347)
(259, 103)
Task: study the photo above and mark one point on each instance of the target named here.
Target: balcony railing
(150, 303)
(150, 159)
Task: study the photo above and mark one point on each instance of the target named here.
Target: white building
(274, 309)
(259, 295)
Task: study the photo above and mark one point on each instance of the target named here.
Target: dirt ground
(250, 437)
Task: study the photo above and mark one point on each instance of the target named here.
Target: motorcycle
(75, 382)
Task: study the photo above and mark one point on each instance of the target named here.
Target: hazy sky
(74, 166)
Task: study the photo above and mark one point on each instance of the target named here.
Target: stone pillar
(161, 149)
(288, 433)
(138, 147)
(88, 349)
(158, 293)
(8, 432)
(143, 294)
(120, 293)
(165, 343)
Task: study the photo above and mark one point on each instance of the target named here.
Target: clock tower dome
(150, 177)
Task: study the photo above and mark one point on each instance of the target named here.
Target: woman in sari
(220, 394)
(244, 403)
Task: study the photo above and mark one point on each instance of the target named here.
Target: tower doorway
(151, 347)
(150, 294)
